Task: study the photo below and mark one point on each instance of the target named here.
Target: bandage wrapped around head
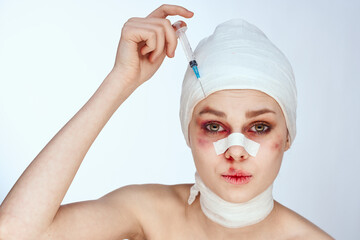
(239, 56)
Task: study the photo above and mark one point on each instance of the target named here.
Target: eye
(214, 127)
(260, 128)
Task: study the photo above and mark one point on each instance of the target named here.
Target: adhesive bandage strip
(236, 139)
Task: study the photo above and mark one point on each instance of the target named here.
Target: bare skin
(32, 209)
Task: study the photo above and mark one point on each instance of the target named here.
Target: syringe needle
(180, 28)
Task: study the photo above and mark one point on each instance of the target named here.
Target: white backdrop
(54, 54)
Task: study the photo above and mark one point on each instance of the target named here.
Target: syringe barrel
(185, 43)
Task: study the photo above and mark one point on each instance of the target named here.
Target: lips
(236, 177)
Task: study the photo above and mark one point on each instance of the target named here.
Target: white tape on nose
(236, 139)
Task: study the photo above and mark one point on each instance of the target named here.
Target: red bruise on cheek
(277, 144)
(204, 143)
(202, 138)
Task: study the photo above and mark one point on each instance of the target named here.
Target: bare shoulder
(128, 212)
(153, 206)
(150, 194)
(298, 227)
(148, 199)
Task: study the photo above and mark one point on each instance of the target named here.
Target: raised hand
(145, 42)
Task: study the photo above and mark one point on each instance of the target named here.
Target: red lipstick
(237, 177)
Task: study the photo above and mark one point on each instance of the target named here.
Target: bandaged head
(239, 56)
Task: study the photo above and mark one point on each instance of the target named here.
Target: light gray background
(54, 54)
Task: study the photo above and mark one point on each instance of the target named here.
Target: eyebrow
(213, 111)
(248, 114)
(251, 114)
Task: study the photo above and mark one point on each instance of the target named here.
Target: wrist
(126, 75)
(118, 86)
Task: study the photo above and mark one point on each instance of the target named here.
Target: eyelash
(267, 128)
(207, 125)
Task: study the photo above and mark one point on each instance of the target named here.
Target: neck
(258, 230)
(232, 215)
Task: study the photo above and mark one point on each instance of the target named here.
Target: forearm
(35, 199)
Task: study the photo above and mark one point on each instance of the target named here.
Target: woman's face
(259, 118)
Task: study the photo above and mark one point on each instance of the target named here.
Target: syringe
(180, 28)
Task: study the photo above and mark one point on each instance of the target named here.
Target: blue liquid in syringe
(180, 32)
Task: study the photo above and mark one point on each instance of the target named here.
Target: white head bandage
(236, 139)
(231, 215)
(238, 55)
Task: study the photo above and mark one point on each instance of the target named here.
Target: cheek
(203, 142)
(201, 139)
(278, 144)
(271, 157)
(203, 151)
(273, 147)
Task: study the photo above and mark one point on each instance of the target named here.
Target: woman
(256, 121)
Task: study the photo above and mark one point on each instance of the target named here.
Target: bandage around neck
(236, 139)
(231, 215)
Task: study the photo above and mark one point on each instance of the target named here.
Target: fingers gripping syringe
(180, 28)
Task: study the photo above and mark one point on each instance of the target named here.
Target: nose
(236, 153)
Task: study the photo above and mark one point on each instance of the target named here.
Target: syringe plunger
(185, 43)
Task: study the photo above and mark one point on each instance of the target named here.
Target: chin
(236, 196)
